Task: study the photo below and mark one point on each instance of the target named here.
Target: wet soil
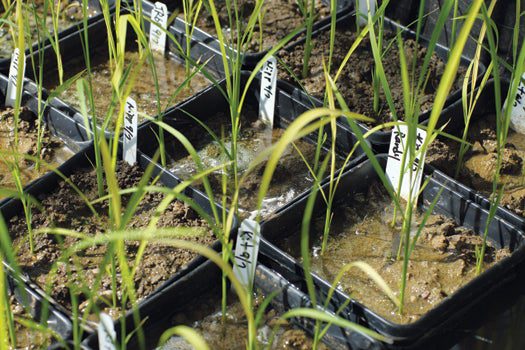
(232, 333)
(78, 275)
(70, 12)
(480, 162)
(52, 151)
(26, 338)
(280, 17)
(355, 83)
(291, 178)
(443, 260)
(170, 76)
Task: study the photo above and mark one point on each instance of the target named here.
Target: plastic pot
(72, 134)
(84, 160)
(210, 102)
(452, 318)
(204, 283)
(455, 126)
(381, 139)
(45, 46)
(72, 46)
(250, 59)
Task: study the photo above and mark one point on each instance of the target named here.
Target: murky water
(53, 150)
(292, 176)
(27, 338)
(231, 331)
(441, 262)
(170, 75)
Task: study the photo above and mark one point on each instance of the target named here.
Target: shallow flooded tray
(60, 139)
(195, 302)
(292, 178)
(170, 71)
(475, 183)
(443, 324)
(69, 19)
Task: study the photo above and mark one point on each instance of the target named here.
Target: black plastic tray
(210, 101)
(455, 127)
(73, 135)
(40, 309)
(204, 282)
(463, 311)
(381, 139)
(97, 34)
(251, 59)
(85, 159)
(45, 45)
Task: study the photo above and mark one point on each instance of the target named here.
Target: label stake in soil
(268, 87)
(16, 58)
(246, 251)
(106, 333)
(130, 131)
(157, 29)
(412, 173)
(517, 114)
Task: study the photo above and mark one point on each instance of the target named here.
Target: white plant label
(158, 25)
(517, 114)
(365, 6)
(130, 131)
(106, 333)
(412, 173)
(246, 251)
(268, 91)
(17, 58)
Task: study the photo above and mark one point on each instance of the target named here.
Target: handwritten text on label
(246, 251)
(268, 87)
(130, 131)
(157, 34)
(411, 173)
(517, 114)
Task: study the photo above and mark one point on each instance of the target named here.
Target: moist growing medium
(279, 18)
(355, 82)
(69, 13)
(170, 75)
(231, 332)
(480, 162)
(442, 261)
(50, 149)
(27, 338)
(77, 275)
(291, 177)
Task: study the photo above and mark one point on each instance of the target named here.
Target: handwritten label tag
(17, 58)
(268, 87)
(517, 114)
(106, 333)
(130, 131)
(246, 251)
(394, 164)
(157, 35)
(364, 7)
